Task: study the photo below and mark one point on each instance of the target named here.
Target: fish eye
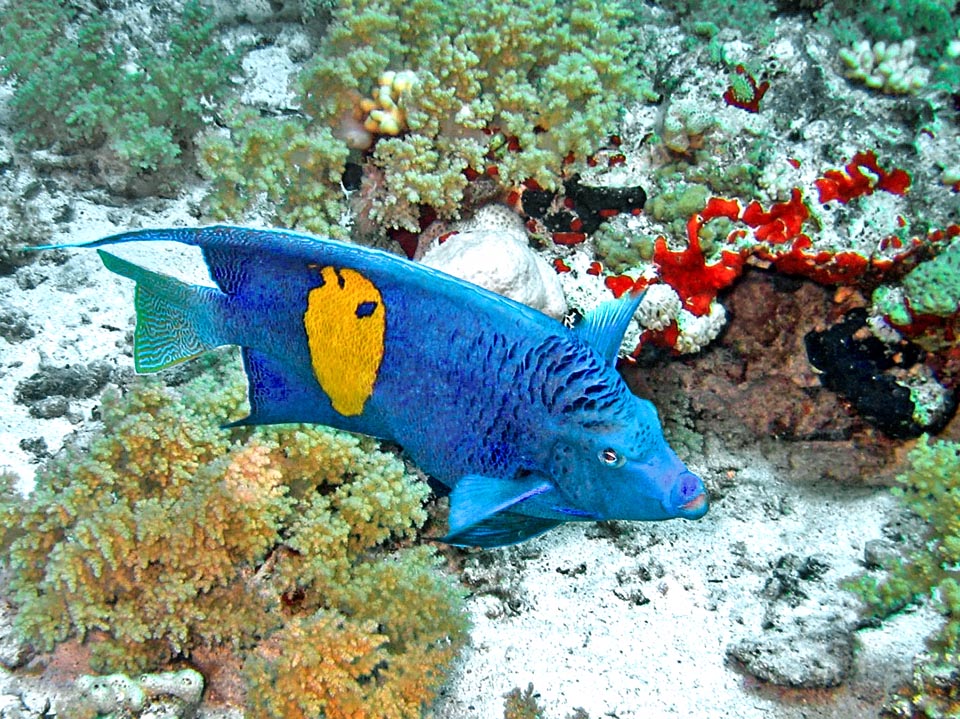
(611, 457)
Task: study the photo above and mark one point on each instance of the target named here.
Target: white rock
(10, 707)
(186, 684)
(497, 257)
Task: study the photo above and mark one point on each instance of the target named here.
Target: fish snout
(689, 496)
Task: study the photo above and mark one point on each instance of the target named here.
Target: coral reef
(933, 693)
(928, 488)
(930, 23)
(885, 381)
(275, 165)
(926, 303)
(889, 68)
(77, 86)
(522, 704)
(722, 181)
(492, 250)
(705, 18)
(512, 91)
(286, 545)
(777, 236)
(725, 191)
(170, 694)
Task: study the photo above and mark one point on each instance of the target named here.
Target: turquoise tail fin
(174, 319)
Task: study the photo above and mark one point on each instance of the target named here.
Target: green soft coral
(930, 488)
(933, 287)
(528, 86)
(930, 22)
(172, 534)
(706, 17)
(933, 24)
(929, 293)
(275, 166)
(77, 86)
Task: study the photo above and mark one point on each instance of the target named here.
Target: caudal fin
(176, 321)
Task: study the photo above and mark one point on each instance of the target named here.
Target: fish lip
(695, 508)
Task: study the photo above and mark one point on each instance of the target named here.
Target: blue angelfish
(526, 420)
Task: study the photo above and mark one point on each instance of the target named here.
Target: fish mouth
(695, 508)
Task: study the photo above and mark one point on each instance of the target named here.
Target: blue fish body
(526, 420)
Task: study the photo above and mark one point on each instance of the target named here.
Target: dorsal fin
(603, 327)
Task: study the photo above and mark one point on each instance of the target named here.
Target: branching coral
(172, 534)
(706, 17)
(722, 235)
(273, 165)
(522, 704)
(525, 86)
(382, 654)
(926, 304)
(890, 68)
(931, 22)
(928, 489)
(76, 85)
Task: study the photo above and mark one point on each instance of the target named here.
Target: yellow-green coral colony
(173, 535)
(381, 114)
(928, 488)
(888, 67)
(433, 89)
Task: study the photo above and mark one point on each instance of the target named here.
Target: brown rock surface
(755, 382)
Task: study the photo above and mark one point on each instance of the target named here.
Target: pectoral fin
(500, 530)
(480, 516)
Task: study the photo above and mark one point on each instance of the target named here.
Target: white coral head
(659, 307)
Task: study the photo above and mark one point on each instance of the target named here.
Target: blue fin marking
(173, 318)
(576, 513)
(603, 327)
(231, 267)
(476, 497)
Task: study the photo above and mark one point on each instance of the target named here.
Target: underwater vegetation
(434, 94)
(76, 85)
(413, 111)
(522, 704)
(931, 23)
(288, 546)
(929, 488)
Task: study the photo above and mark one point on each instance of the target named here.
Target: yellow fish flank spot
(345, 322)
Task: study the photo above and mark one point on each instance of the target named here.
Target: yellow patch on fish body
(345, 322)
